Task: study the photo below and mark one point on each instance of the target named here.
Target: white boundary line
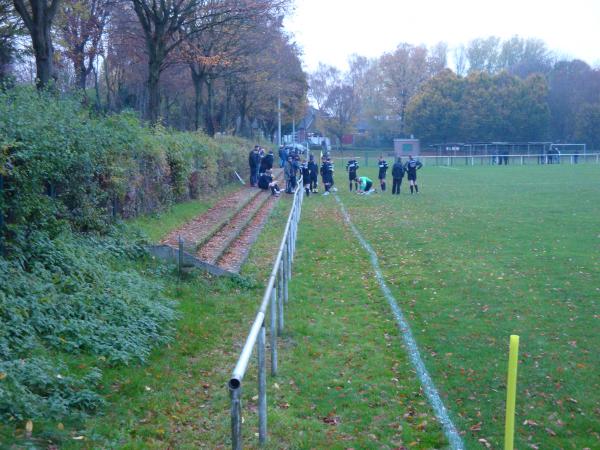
(413, 351)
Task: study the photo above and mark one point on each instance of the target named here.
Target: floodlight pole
(279, 119)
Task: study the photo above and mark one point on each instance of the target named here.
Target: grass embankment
(179, 399)
(482, 253)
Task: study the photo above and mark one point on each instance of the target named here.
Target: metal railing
(532, 159)
(274, 299)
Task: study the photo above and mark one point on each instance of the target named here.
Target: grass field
(479, 254)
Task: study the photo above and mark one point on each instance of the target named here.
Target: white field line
(449, 168)
(430, 391)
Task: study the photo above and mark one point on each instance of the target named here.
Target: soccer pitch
(479, 254)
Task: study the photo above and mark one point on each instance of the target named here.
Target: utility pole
(279, 119)
(294, 130)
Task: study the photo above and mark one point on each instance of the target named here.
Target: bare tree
(167, 23)
(80, 25)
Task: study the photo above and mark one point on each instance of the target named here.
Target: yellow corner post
(511, 393)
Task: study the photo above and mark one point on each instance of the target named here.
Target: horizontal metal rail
(518, 159)
(275, 296)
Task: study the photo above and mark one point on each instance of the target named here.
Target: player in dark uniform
(383, 167)
(305, 177)
(397, 175)
(331, 180)
(411, 168)
(327, 174)
(313, 168)
(351, 168)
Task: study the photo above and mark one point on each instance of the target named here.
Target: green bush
(71, 287)
(62, 165)
(73, 295)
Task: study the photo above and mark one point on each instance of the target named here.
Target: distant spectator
(289, 175)
(266, 163)
(296, 166)
(254, 163)
(313, 168)
(397, 175)
(282, 156)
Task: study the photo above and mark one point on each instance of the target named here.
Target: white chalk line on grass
(448, 167)
(430, 391)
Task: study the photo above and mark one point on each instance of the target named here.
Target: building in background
(406, 147)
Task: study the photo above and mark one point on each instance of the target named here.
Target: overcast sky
(331, 30)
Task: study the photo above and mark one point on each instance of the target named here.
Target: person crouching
(265, 182)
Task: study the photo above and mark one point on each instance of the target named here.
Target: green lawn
(479, 254)
(482, 253)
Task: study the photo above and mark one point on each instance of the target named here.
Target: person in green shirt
(365, 185)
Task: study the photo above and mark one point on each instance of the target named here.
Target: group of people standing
(261, 169)
(364, 185)
(293, 164)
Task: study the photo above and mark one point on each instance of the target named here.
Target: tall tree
(523, 57)
(460, 60)
(588, 124)
(483, 54)
(403, 71)
(321, 82)
(10, 28)
(341, 110)
(38, 16)
(167, 23)
(572, 84)
(434, 114)
(80, 25)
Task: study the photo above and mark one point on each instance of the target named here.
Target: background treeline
(512, 90)
(213, 65)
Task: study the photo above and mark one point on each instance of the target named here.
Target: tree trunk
(153, 90)
(209, 117)
(81, 71)
(39, 24)
(198, 78)
(97, 90)
(42, 46)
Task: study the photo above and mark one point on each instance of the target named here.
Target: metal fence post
(289, 258)
(262, 387)
(281, 299)
(274, 332)
(281, 276)
(286, 274)
(180, 256)
(236, 418)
